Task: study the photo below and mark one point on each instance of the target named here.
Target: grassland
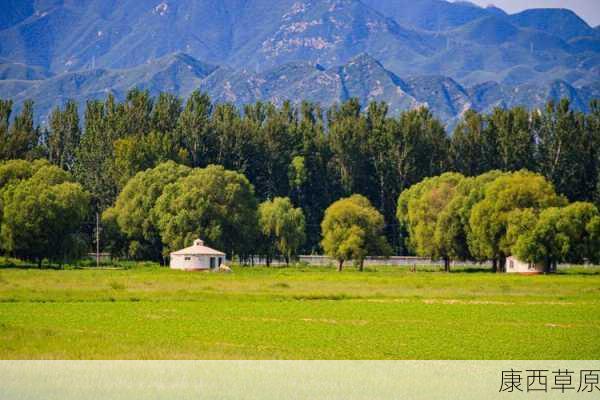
(297, 313)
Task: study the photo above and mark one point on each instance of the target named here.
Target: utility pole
(97, 240)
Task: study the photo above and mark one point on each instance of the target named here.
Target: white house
(516, 266)
(197, 258)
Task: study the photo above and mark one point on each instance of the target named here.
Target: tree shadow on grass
(30, 266)
(472, 270)
(579, 272)
(11, 263)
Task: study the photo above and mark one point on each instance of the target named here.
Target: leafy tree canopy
(505, 196)
(42, 216)
(282, 225)
(352, 229)
(133, 209)
(212, 203)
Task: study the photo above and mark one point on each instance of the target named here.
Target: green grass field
(297, 313)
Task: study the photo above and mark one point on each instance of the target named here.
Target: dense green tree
(423, 148)
(470, 150)
(235, 141)
(453, 233)
(282, 226)
(17, 170)
(137, 112)
(42, 216)
(94, 166)
(64, 136)
(505, 198)
(277, 140)
(212, 203)
(112, 239)
(132, 155)
(348, 138)
(5, 113)
(593, 228)
(558, 235)
(133, 209)
(593, 151)
(194, 130)
(22, 138)
(352, 229)
(381, 142)
(420, 208)
(311, 181)
(566, 152)
(515, 138)
(14, 171)
(165, 113)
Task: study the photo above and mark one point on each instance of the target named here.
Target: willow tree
(561, 234)
(419, 210)
(213, 203)
(352, 229)
(509, 199)
(132, 212)
(42, 216)
(282, 226)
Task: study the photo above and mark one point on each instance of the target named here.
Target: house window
(188, 258)
(212, 262)
(512, 264)
(220, 261)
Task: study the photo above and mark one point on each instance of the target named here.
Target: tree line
(163, 209)
(496, 215)
(309, 155)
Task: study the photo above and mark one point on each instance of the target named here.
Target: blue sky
(589, 10)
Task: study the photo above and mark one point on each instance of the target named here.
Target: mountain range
(448, 56)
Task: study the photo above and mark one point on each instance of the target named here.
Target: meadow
(300, 312)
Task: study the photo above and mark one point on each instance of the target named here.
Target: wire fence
(319, 260)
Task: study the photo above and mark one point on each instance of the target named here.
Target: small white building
(197, 258)
(516, 266)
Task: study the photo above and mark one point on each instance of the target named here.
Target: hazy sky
(589, 10)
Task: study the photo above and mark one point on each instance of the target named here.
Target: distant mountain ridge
(447, 55)
(362, 77)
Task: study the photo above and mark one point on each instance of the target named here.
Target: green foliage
(420, 210)
(113, 239)
(593, 228)
(94, 165)
(137, 111)
(559, 235)
(352, 230)
(567, 149)
(504, 197)
(514, 137)
(473, 147)
(165, 113)
(138, 154)
(65, 134)
(21, 139)
(453, 231)
(193, 129)
(283, 226)
(42, 216)
(133, 209)
(212, 203)
(315, 157)
(5, 112)
(14, 171)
